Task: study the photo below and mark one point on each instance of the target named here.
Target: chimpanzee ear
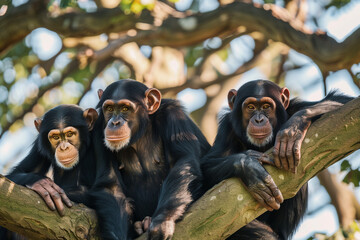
(90, 116)
(231, 98)
(285, 97)
(152, 100)
(100, 93)
(37, 123)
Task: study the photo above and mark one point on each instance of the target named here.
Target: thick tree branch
(23, 211)
(216, 215)
(273, 21)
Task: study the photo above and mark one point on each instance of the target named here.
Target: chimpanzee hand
(52, 194)
(258, 181)
(288, 142)
(142, 226)
(161, 229)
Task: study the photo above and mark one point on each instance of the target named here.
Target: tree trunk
(220, 212)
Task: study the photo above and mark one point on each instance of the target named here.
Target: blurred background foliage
(51, 66)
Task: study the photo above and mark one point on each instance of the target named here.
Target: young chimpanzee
(63, 145)
(258, 120)
(148, 153)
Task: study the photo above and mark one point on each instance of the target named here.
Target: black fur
(160, 178)
(230, 147)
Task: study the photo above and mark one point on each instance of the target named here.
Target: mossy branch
(220, 212)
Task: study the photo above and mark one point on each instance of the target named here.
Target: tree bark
(220, 212)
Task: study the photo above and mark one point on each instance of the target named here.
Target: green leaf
(345, 166)
(64, 3)
(353, 176)
(338, 3)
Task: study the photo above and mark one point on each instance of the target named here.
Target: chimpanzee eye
(55, 137)
(125, 109)
(110, 108)
(266, 106)
(251, 107)
(69, 134)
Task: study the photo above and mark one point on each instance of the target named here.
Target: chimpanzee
(63, 145)
(258, 120)
(147, 152)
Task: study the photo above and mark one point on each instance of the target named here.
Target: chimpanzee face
(257, 111)
(126, 110)
(63, 130)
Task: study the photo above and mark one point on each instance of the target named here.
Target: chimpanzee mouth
(117, 139)
(116, 144)
(67, 163)
(260, 140)
(260, 135)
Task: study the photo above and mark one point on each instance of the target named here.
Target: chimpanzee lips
(260, 135)
(67, 159)
(116, 138)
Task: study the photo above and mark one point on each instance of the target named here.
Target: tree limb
(220, 212)
(273, 21)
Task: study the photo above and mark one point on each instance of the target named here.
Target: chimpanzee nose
(63, 146)
(259, 119)
(115, 122)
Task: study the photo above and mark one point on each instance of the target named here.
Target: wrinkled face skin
(66, 144)
(258, 111)
(125, 119)
(259, 119)
(121, 122)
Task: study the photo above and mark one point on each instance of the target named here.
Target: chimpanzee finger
(290, 155)
(267, 160)
(297, 151)
(270, 201)
(56, 198)
(63, 195)
(138, 227)
(146, 223)
(282, 154)
(261, 201)
(276, 152)
(39, 189)
(275, 191)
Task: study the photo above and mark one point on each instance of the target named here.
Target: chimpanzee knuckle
(289, 152)
(43, 193)
(163, 230)
(48, 181)
(276, 151)
(55, 196)
(268, 180)
(269, 200)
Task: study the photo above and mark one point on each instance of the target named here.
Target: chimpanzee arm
(220, 164)
(289, 138)
(182, 144)
(33, 168)
(106, 197)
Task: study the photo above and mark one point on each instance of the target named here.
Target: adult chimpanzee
(63, 145)
(258, 120)
(147, 152)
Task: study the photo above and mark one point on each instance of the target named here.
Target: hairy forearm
(318, 109)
